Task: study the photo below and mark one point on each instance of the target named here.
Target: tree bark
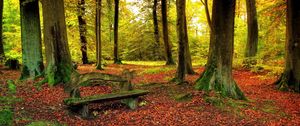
(290, 79)
(98, 34)
(156, 31)
(218, 73)
(117, 60)
(31, 40)
(181, 68)
(59, 64)
(252, 40)
(164, 18)
(2, 55)
(82, 30)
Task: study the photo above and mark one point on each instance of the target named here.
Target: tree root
(226, 87)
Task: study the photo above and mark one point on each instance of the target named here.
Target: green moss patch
(45, 123)
(183, 97)
(6, 117)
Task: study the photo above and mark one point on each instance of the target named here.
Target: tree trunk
(59, 64)
(82, 30)
(218, 73)
(2, 55)
(116, 30)
(252, 41)
(31, 40)
(188, 63)
(181, 68)
(98, 34)
(110, 18)
(164, 18)
(156, 31)
(290, 79)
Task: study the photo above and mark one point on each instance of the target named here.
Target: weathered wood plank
(105, 97)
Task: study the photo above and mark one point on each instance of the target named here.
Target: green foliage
(6, 117)
(158, 70)
(183, 97)
(12, 88)
(45, 123)
(11, 29)
(136, 35)
(216, 101)
(9, 100)
(143, 103)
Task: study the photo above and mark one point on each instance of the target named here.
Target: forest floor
(166, 104)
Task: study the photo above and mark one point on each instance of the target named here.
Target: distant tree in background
(82, 30)
(156, 31)
(98, 34)
(2, 55)
(290, 79)
(207, 14)
(58, 58)
(218, 72)
(252, 38)
(164, 18)
(181, 34)
(188, 57)
(117, 59)
(110, 18)
(31, 39)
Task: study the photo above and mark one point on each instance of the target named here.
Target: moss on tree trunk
(31, 40)
(217, 76)
(214, 80)
(59, 64)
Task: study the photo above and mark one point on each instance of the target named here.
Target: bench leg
(130, 102)
(82, 110)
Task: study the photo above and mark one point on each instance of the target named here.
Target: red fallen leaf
(161, 109)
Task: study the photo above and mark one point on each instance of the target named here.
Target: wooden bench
(124, 92)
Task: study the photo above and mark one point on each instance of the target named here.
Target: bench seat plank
(105, 97)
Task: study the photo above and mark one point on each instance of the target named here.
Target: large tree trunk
(181, 34)
(156, 31)
(188, 63)
(59, 64)
(82, 30)
(164, 18)
(290, 79)
(218, 73)
(117, 60)
(98, 34)
(31, 40)
(252, 41)
(2, 56)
